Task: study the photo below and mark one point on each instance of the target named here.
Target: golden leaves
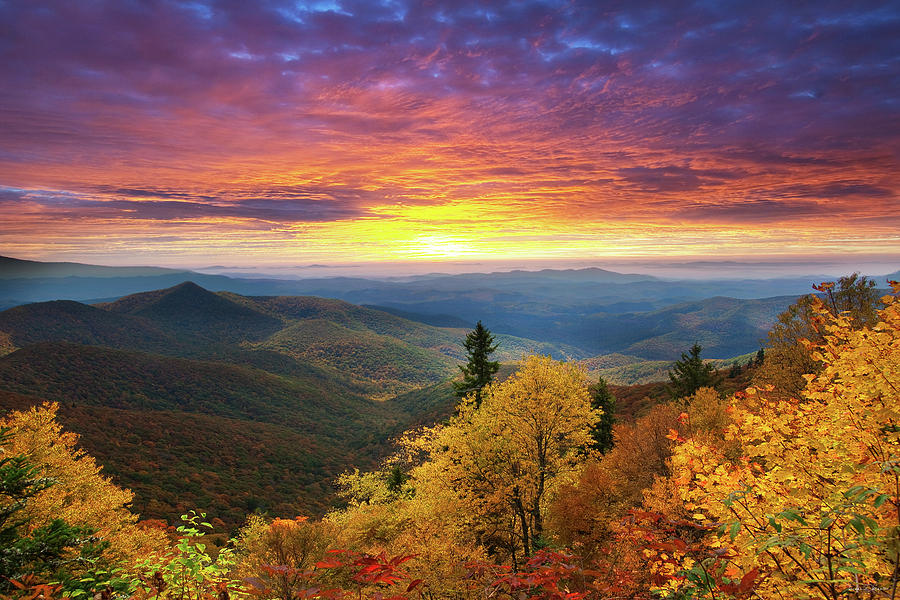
(813, 493)
(81, 494)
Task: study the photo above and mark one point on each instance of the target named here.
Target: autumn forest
(449, 300)
(775, 478)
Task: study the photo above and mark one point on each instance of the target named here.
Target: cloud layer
(365, 129)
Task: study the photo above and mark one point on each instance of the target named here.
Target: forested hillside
(161, 379)
(717, 485)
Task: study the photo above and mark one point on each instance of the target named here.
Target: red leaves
(748, 579)
(744, 588)
(329, 564)
(371, 569)
(32, 588)
(548, 575)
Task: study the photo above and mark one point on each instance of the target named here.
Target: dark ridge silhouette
(191, 308)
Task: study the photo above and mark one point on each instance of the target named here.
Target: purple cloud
(375, 102)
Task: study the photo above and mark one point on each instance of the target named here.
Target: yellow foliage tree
(381, 518)
(281, 554)
(495, 467)
(81, 495)
(787, 358)
(811, 508)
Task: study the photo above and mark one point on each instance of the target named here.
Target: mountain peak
(190, 290)
(189, 307)
(188, 285)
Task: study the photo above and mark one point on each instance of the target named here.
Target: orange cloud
(384, 131)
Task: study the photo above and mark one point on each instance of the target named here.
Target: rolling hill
(175, 460)
(191, 309)
(82, 324)
(268, 399)
(725, 327)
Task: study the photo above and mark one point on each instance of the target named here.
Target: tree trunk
(523, 518)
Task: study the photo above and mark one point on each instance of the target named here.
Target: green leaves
(479, 371)
(690, 373)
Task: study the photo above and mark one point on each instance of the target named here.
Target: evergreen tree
(41, 550)
(602, 431)
(396, 478)
(760, 356)
(479, 371)
(690, 374)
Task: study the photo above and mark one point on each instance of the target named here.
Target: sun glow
(435, 247)
(442, 138)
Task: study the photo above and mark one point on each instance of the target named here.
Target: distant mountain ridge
(574, 312)
(13, 268)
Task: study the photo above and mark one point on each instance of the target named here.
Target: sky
(347, 131)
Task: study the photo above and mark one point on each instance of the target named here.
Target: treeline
(787, 489)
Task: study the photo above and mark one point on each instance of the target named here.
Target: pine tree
(602, 431)
(479, 371)
(690, 374)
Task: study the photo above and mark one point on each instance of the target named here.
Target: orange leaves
(287, 524)
(798, 506)
(675, 436)
(30, 587)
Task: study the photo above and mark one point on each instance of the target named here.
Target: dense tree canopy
(810, 503)
(24, 548)
(497, 464)
(788, 358)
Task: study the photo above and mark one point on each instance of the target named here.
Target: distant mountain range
(581, 312)
(266, 395)
(13, 268)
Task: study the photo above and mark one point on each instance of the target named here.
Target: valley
(266, 399)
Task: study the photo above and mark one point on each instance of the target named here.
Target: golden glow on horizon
(431, 132)
(478, 194)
